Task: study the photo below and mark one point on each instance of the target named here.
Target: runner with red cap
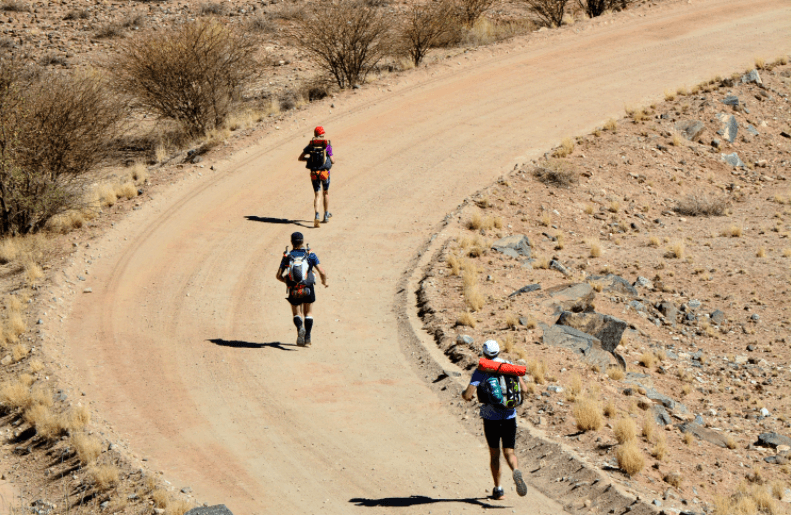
(318, 159)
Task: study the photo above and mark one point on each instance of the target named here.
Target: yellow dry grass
(160, 498)
(531, 322)
(733, 231)
(625, 430)
(537, 370)
(41, 395)
(630, 458)
(575, 386)
(677, 250)
(87, 447)
(161, 153)
(466, 319)
(589, 209)
(104, 476)
(686, 389)
(139, 172)
(65, 222)
(545, 219)
(127, 190)
(660, 448)
(453, 263)
(18, 352)
(611, 125)
(473, 297)
(653, 241)
(760, 63)
(688, 438)
(647, 359)
(14, 394)
(787, 252)
(587, 415)
(616, 373)
(595, 248)
(649, 428)
(79, 417)
(609, 409)
(670, 95)
(105, 195)
(511, 321)
(33, 271)
(178, 506)
(47, 424)
(565, 149)
(761, 252)
(15, 325)
(508, 343)
(676, 140)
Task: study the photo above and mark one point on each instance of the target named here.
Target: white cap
(491, 348)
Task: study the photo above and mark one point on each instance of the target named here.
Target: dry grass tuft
(127, 190)
(763, 500)
(178, 507)
(653, 242)
(160, 498)
(731, 443)
(673, 479)
(588, 415)
(15, 395)
(557, 172)
(88, 448)
(33, 272)
(79, 417)
(609, 409)
(647, 359)
(538, 371)
(574, 388)
(453, 262)
(625, 430)
(616, 373)
(688, 438)
(761, 252)
(686, 389)
(588, 209)
(15, 325)
(649, 428)
(466, 319)
(630, 458)
(670, 95)
(511, 321)
(47, 424)
(733, 231)
(104, 476)
(760, 63)
(660, 448)
(18, 352)
(595, 248)
(611, 125)
(139, 173)
(565, 149)
(787, 252)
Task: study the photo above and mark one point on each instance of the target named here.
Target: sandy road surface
(186, 341)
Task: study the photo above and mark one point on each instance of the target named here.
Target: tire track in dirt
(348, 426)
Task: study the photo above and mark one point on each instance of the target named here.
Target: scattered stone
(555, 388)
(606, 328)
(613, 283)
(660, 415)
(694, 304)
(772, 440)
(524, 290)
(576, 297)
(716, 143)
(750, 347)
(752, 76)
(581, 343)
(514, 246)
(755, 317)
(691, 129)
(186, 490)
(731, 100)
(643, 282)
(465, 339)
(717, 317)
(87, 290)
(554, 264)
(705, 434)
(730, 129)
(752, 130)
(669, 310)
(212, 509)
(733, 160)
(668, 402)
(197, 159)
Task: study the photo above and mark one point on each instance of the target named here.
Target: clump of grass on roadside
(587, 415)
(630, 458)
(556, 172)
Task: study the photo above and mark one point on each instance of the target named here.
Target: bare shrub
(105, 476)
(14, 6)
(616, 373)
(15, 395)
(424, 26)
(213, 9)
(261, 25)
(77, 14)
(470, 10)
(48, 425)
(349, 47)
(466, 319)
(694, 206)
(88, 448)
(630, 458)
(598, 7)
(556, 172)
(565, 149)
(549, 11)
(190, 75)
(109, 30)
(53, 128)
(588, 415)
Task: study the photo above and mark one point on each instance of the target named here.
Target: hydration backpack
(297, 274)
(317, 155)
(500, 391)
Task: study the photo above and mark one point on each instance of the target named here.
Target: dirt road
(186, 343)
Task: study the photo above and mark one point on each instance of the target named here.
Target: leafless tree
(595, 8)
(424, 26)
(191, 75)
(470, 10)
(347, 38)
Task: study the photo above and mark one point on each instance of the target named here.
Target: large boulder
(772, 440)
(212, 509)
(730, 127)
(581, 343)
(606, 328)
(703, 433)
(572, 297)
(526, 289)
(515, 246)
(691, 129)
(752, 76)
(733, 160)
(615, 284)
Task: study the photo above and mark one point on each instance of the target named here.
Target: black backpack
(500, 390)
(297, 273)
(317, 155)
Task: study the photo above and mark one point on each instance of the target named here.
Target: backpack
(500, 390)
(297, 274)
(318, 159)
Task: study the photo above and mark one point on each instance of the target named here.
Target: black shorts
(296, 301)
(504, 429)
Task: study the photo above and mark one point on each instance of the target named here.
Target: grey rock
(637, 305)
(523, 321)
(554, 264)
(212, 509)
(555, 388)
(654, 395)
(514, 246)
(40, 321)
(764, 412)
(465, 339)
(606, 328)
(581, 343)
(730, 129)
(87, 290)
(755, 317)
(186, 490)
(691, 129)
(197, 159)
(731, 100)
(660, 415)
(716, 143)
(717, 317)
(703, 433)
(752, 130)
(752, 76)
(772, 440)
(694, 304)
(613, 283)
(526, 289)
(699, 420)
(104, 505)
(733, 160)
(750, 347)
(81, 278)
(780, 460)
(657, 503)
(575, 297)
(669, 310)
(643, 282)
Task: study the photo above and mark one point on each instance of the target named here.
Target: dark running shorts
(319, 183)
(504, 429)
(296, 301)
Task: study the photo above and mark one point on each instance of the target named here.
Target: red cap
(318, 131)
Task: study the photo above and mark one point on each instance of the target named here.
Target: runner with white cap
(499, 424)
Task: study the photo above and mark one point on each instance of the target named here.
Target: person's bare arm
(279, 275)
(303, 156)
(522, 385)
(322, 275)
(468, 393)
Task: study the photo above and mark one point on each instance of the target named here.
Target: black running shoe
(301, 337)
(498, 493)
(521, 487)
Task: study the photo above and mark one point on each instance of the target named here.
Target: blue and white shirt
(491, 412)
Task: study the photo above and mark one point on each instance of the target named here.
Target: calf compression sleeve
(308, 323)
(298, 322)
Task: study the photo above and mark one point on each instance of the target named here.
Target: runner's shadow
(252, 345)
(274, 220)
(409, 501)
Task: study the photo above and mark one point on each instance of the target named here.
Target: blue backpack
(500, 390)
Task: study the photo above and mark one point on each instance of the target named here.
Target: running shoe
(498, 493)
(301, 337)
(521, 487)
(307, 340)
(327, 216)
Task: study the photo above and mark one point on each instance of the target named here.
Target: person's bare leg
(494, 464)
(326, 201)
(510, 458)
(316, 202)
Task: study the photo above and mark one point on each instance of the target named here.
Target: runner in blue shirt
(498, 424)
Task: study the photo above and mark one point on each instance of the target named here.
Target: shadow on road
(274, 220)
(253, 345)
(409, 501)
